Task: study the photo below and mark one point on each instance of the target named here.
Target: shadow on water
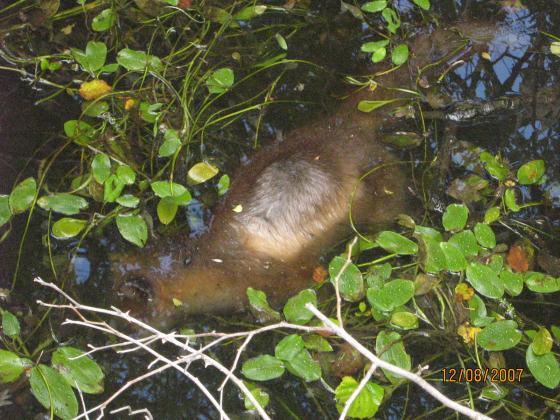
(519, 65)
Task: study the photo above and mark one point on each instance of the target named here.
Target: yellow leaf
(94, 89)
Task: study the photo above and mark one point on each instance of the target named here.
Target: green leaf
(555, 48)
(126, 175)
(466, 241)
(485, 235)
(491, 215)
(220, 80)
(511, 200)
(5, 211)
(494, 167)
(166, 210)
(455, 217)
(12, 366)
(178, 193)
(485, 280)
(95, 108)
(133, 229)
(392, 295)
(374, 6)
(392, 19)
(250, 12)
(379, 56)
(128, 200)
(263, 368)
(79, 370)
(454, 257)
(494, 392)
(101, 167)
(10, 324)
(423, 4)
(541, 283)
(296, 358)
(317, 343)
(389, 347)
(498, 336)
(79, 131)
(22, 196)
(542, 343)
(478, 314)
(399, 55)
(545, 368)
(371, 47)
(432, 257)
(223, 185)
(404, 320)
(366, 403)
(260, 395)
(171, 143)
(350, 282)
(555, 332)
(68, 227)
(201, 172)
(93, 58)
(513, 282)
(368, 106)
(281, 41)
(396, 243)
(104, 20)
(51, 390)
(112, 189)
(138, 60)
(261, 310)
(531, 172)
(295, 310)
(428, 232)
(149, 112)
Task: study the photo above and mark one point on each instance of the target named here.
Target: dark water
(520, 66)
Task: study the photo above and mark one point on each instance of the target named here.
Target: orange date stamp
(482, 375)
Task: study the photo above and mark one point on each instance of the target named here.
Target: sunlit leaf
(68, 227)
(390, 347)
(545, 368)
(10, 324)
(392, 295)
(52, 390)
(466, 241)
(366, 403)
(494, 167)
(133, 228)
(350, 282)
(12, 366)
(223, 184)
(500, 335)
(542, 343)
(424, 4)
(5, 211)
(374, 6)
(101, 167)
(128, 200)
(171, 143)
(220, 80)
(542, 283)
(295, 310)
(399, 55)
(396, 243)
(485, 280)
(201, 172)
(531, 172)
(260, 395)
(166, 210)
(513, 282)
(22, 196)
(79, 370)
(138, 60)
(485, 235)
(93, 58)
(263, 368)
(511, 200)
(455, 217)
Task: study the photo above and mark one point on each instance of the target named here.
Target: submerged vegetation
(173, 93)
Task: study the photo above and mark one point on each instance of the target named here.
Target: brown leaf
(517, 259)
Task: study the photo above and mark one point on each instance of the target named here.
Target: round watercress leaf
(491, 215)
(350, 282)
(531, 172)
(10, 324)
(455, 260)
(5, 211)
(289, 347)
(396, 243)
(455, 217)
(371, 47)
(68, 227)
(304, 366)
(133, 228)
(51, 390)
(260, 395)
(126, 175)
(389, 347)
(432, 256)
(485, 235)
(379, 55)
(500, 335)
(263, 368)
(79, 131)
(466, 241)
(103, 20)
(404, 320)
(128, 200)
(513, 282)
(79, 370)
(171, 143)
(374, 6)
(545, 368)
(201, 172)
(22, 195)
(93, 58)
(423, 4)
(392, 295)
(366, 403)
(399, 54)
(101, 167)
(295, 310)
(166, 210)
(64, 203)
(12, 366)
(220, 80)
(541, 283)
(542, 343)
(168, 189)
(485, 280)
(260, 308)
(138, 60)
(223, 185)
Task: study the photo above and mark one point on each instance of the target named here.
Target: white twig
(337, 279)
(342, 333)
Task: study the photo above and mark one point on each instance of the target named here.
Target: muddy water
(519, 66)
